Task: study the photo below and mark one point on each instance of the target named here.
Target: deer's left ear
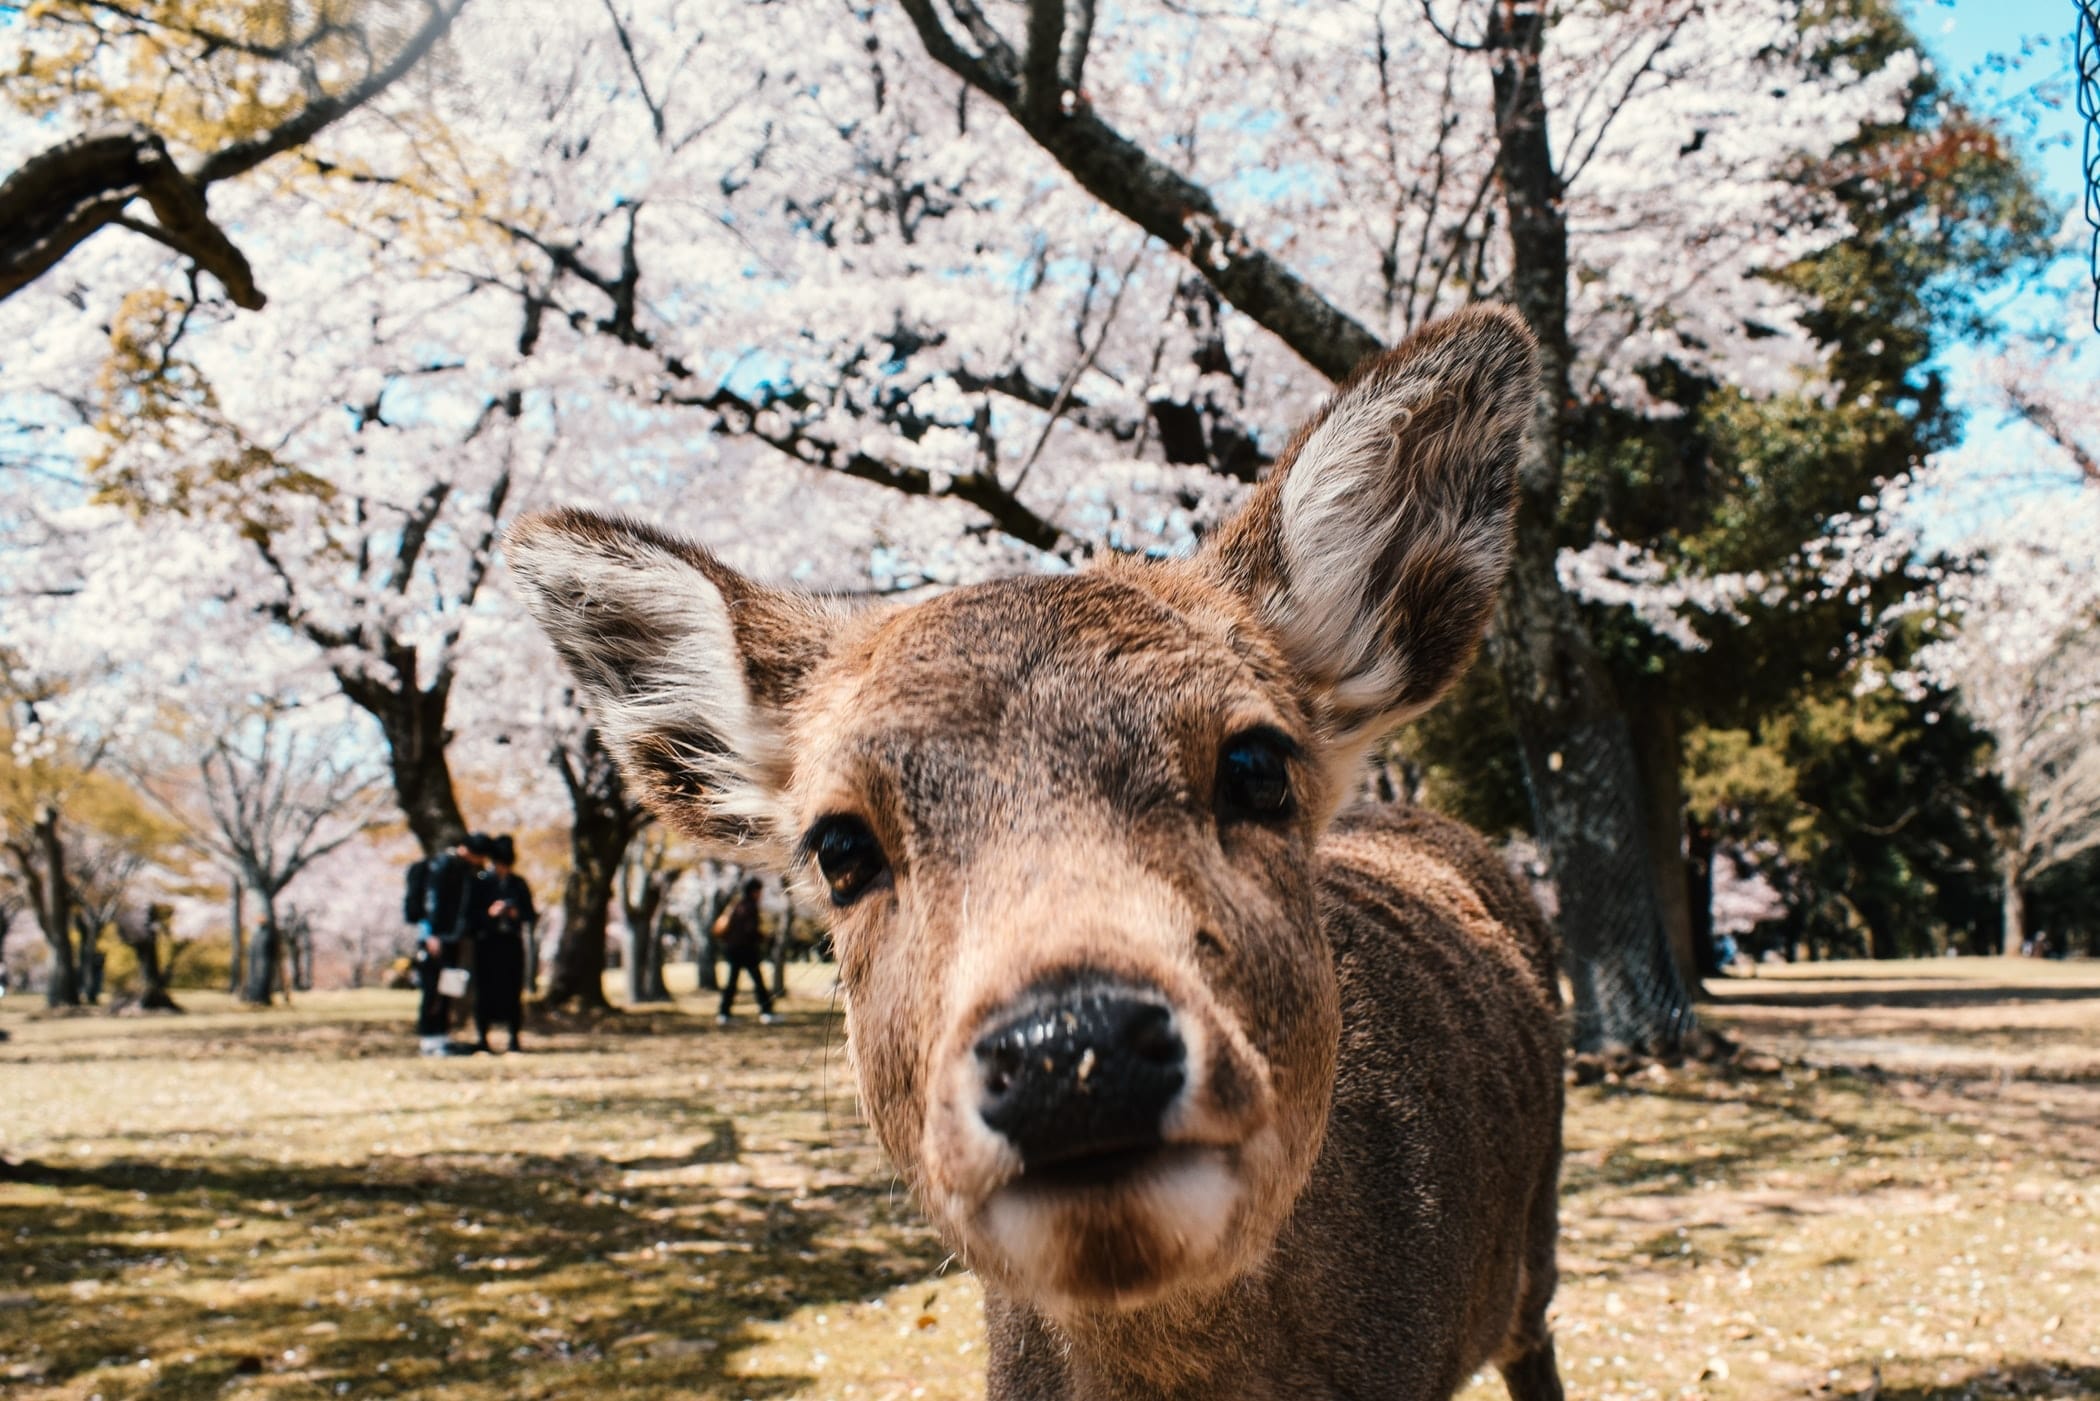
(1376, 547)
(689, 668)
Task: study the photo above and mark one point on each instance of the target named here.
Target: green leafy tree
(1751, 555)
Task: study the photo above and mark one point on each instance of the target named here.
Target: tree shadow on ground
(1784, 1122)
(2027, 1378)
(1918, 996)
(511, 1275)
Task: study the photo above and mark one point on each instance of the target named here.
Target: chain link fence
(2088, 77)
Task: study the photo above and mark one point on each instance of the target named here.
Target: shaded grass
(244, 1204)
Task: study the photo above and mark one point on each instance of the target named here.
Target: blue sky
(2012, 58)
(2014, 55)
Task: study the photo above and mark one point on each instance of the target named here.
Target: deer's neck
(1215, 1347)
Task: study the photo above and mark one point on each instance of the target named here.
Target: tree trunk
(143, 938)
(1579, 767)
(645, 948)
(532, 959)
(265, 953)
(413, 722)
(90, 960)
(602, 823)
(61, 979)
(1658, 752)
(577, 973)
(235, 968)
(1699, 897)
(42, 867)
(708, 953)
(2015, 910)
(300, 945)
(781, 938)
(1578, 752)
(1881, 929)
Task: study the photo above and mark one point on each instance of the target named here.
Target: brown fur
(1355, 1191)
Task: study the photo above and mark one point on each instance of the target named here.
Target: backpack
(415, 900)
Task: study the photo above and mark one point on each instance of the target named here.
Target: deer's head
(1068, 824)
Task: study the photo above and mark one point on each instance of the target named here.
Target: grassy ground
(287, 1204)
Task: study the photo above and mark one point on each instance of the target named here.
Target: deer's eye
(848, 855)
(1254, 777)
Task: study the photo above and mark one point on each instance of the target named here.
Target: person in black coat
(736, 932)
(501, 918)
(444, 925)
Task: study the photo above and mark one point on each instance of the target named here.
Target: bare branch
(485, 545)
(998, 54)
(1079, 37)
(634, 66)
(1170, 207)
(975, 71)
(414, 532)
(1080, 366)
(2039, 413)
(1469, 46)
(977, 489)
(1575, 168)
(308, 123)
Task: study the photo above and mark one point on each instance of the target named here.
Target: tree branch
(1079, 37)
(979, 73)
(244, 156)
(1039, 72)
(62, 196)
(2032, 408)
(414, 532)
(634, 66)
(1167, 205)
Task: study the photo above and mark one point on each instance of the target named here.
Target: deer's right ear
(687, 665)
(1376, 547)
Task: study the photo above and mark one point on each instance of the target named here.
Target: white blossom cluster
(766, 274)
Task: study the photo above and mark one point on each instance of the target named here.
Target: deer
(1224, 1085)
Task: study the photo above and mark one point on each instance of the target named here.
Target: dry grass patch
(288, 1204)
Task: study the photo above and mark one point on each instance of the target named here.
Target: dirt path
(234, 1204)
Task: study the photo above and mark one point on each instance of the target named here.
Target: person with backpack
(736, 932)
(441, 894)
(500, 915)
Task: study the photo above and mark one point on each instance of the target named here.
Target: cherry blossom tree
(351, 897)
(2024, 655)
(927, 294)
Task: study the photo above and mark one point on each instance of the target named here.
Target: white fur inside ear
(1341, 512)
(649, 638)
(1371, 488)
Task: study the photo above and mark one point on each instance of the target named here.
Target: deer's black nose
(1081, 1075)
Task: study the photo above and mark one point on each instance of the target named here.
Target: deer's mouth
(1082, 1166)
(1115, 1227)
(1097, 1168)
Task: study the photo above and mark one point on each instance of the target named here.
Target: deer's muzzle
(1083, 1079)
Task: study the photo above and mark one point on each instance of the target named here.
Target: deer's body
(1222, 1096)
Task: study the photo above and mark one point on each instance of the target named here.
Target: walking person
(501, 917)
(447, 878)
(736, 931)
